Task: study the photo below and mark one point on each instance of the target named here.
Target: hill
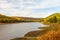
(54, 18)
(2, 16)
(11, 19)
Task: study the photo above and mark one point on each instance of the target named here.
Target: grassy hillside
(54, 18)
(2, 16)
(53, 31)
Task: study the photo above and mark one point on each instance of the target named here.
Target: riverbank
(17, 22)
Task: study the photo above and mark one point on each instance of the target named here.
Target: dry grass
(51, 34)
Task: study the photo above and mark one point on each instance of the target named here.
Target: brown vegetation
(35, 33)
(50, 35)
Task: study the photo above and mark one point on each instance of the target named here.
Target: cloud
(27, 7)
(47, 4)
(5, 4)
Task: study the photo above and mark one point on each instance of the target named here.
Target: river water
(10, 31)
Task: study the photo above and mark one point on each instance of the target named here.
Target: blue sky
(29, 8)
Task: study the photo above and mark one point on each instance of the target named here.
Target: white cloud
(47, 4)
(25, 7)
(50, 3)
(16, 12)
(5, 4)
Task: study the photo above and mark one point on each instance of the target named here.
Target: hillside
(54, 18)
(2, 16)
(11, 19)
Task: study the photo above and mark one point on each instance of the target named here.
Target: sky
(29, 8)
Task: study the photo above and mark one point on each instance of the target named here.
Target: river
(10, 31)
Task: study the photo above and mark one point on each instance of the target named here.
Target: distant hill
(29, 18)
(54, 18)
(2, 16)
(14, 19)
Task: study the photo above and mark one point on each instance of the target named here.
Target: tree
(55, 19)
